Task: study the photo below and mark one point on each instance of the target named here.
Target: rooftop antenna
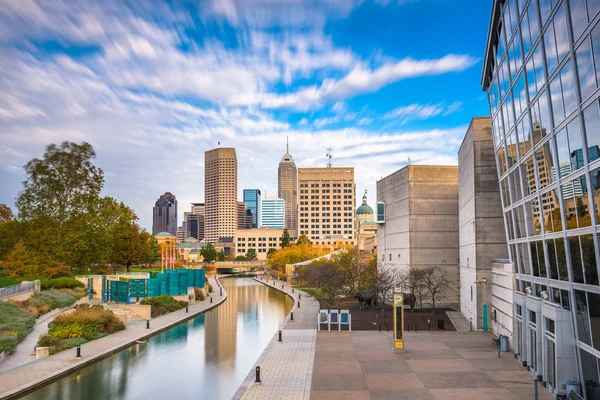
(329, 155)
(408, 162)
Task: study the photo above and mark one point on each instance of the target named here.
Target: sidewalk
(20, 380)
(286, 367)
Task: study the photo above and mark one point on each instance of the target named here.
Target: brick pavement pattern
(286, 367)
(437, 365)
(14, 382)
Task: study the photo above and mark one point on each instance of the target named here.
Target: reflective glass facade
(252, 198)
(542, 74)
(273, 213)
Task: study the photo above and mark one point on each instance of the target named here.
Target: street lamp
(484, 306)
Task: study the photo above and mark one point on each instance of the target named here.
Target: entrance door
(519, 339)
(550, 363)
(532, 350)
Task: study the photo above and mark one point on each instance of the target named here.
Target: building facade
(244, 216)
(261, 240)
(252, 198)
(165, 214)
(541, 75)
(326, 205)
(365, 228)
(417, 219)
(287, 183)
(481, 227)
(273, 213)
(220, 194)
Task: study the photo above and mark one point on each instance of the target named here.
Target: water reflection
(207, 357)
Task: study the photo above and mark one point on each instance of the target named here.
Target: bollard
(292, 316)
(292, 290)
(282, 286)
(498, 347)
(429, 325)
(211, 299)
(147, 324)
(280, 337)
(78, 352)
(470, 324)
(221, 294)
(299, 296)
(186, 309)
(257, 375)
(535, 389)
(298, 303)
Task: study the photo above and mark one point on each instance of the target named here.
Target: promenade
(286, 367)
(17, 381)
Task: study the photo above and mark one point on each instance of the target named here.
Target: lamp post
(484, 306)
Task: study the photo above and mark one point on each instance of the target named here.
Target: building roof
(364, 209)
(164, 234)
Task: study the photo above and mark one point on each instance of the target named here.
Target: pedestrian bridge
(240, 267)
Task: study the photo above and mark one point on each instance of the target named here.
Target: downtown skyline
(152, 88)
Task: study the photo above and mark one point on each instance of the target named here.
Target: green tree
(271, 251)
(6, 213)
(303, 240)
(240, 258)
(251, 255)
(132, 245)
(18, 263)
(156, 254)
(220, 256)
(209, 253)
(285, 238)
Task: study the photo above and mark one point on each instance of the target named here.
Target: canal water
(207, 357)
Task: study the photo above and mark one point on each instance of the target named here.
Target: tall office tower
(244, 216)
(540, 71)
(288, 188)
(252, 198)
(165, 214)
(220, 194)
(195, 221)
(273, 213)
(326, 205)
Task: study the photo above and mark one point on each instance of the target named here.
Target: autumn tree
(208, 253)
(303, 240)
(18, 263)
(326, 277)
(271, 251)
(6, 213)
(293, 254)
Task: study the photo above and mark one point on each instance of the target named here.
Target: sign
(398, 322)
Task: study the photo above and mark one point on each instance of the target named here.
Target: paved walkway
(361, 365)
(16, 381)
(286, 367)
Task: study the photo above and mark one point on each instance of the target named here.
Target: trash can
(573, 386)
(441, 324)
(593, 389)
(504, 343)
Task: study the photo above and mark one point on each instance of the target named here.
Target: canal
(207, 357)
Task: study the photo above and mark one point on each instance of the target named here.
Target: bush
(14, 323)
(199, 294)
(47, 300)
(62, 283)
(164, 304)
(209, 287)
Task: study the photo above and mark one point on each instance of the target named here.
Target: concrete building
(244, 216)
(365, 228)
(165, 238)
(260, 239)
(481, 229)
(417, 219)
(287, 183)
(540, 75)
(272, 213)
(165, 214)
(220, 194)
(181, 233)
(252, 198)
(326, 205)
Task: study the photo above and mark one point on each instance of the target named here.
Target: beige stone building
(261, 240)
(287, 178)
(326, 205)
(365, 228)
(220, 192)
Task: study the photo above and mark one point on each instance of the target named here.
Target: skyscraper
(244, 216)
(252, 198)
(288, 188)
(165, 214)
(273, 213)
(194, 222)
(220, 192)
(326, 208)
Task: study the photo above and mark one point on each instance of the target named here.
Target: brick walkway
(438, 365)
(286, 367)
(15, 382)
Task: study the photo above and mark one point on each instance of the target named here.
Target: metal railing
(501, 261)
(16, 289)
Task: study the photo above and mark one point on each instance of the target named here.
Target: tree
(438, 284)
(132, 245)
(285, 238)
(384, 284)
(292, 255)
(303, 240)
(220, 256)
(18, 263)
(326, 277)
(209, 253)
(240, 258)
(414, 281)
(271, 251)
(251, 255)
(6, 213)
(156, 253)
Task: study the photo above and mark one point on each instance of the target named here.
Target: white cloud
(421, 111)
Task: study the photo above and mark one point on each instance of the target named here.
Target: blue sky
(153, 85)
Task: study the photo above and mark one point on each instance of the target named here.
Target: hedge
(164, 304)
(62, 283)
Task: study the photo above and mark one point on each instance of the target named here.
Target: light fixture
(484, 280)
(544, 295)
(528, 290)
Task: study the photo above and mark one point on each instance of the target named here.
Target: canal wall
(17, 382)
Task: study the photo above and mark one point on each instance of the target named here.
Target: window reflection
(595, 187)
(551, 212)
(594, 304)
(569, 148)
(524, 258)
(537, 257)
(519, 96)
(595, 36)
(517, 59)
(529, 173)
(576, 264)
(545, 9)
(541, 113)
(501, 159)
(520, 221)
(511, 149)
(562, 93)
(509, 224)
(591, 120)
(532, 208)
(585, 69)
(578, 17)
(545, 163)
(515, 181)
(589, 259)
(576, 204)
(505, 192)
(583, 317)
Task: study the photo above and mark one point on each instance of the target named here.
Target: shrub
(199, 294)
(209, 287)
(47, 300)
(14, 323)
(62, 283)
(164, 304)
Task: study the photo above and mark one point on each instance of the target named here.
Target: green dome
(364, 209)
(163, 234)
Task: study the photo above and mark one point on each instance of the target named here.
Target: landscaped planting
(62, 283)
(84, 324)
(14, 323)
(164, 304)
(199, 294)
(47, 300)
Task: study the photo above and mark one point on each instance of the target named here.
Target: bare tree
(414, 280)
(326, 277)
(437, 284)
(385, 283)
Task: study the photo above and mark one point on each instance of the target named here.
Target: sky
(153, 85)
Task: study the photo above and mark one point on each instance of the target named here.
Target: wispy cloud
(421, 111)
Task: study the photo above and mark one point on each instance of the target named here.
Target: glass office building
(542, 74)
(272, 214)
(252, 198)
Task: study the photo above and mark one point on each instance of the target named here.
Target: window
(579, 18)
(591, 121)
(380, 212)
(562, 94)
(390, 257)
(585, 69)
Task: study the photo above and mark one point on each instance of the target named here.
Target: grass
(164, 304)
(310, 291)
(14, 323)
(4, 282)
